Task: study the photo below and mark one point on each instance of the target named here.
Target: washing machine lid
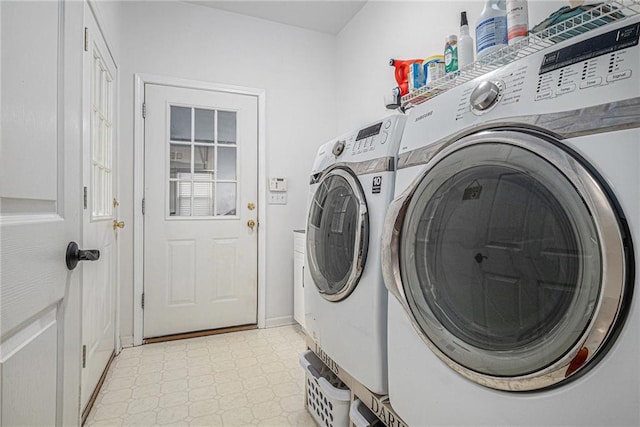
(510, 257)
(337, 234)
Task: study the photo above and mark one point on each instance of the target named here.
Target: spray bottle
(465, 43)
(517, 20)
(491, 28)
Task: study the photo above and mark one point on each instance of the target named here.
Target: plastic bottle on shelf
(465, 43)
(451, 54)
(517, 20)
(491, 28)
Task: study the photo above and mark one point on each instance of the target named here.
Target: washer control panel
(486, 95)
(558, 87)
(598, 61)
(372, 136)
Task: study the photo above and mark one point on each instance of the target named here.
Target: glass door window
(503, 259)
(337, 234)
(203, 163)
(101, 139)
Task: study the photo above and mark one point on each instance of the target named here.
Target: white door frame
(138, 190)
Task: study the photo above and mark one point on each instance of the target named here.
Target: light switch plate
(277, 198)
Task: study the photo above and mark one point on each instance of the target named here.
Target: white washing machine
(510, 251)
(352, 184)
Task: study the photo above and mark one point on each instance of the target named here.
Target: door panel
(40, 196)
(18, 406)
(99, 278)
(200, 258)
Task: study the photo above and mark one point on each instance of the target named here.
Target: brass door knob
(251, 223)
(118, 224)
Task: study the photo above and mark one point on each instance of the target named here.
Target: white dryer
(352, 184)
(510, 251)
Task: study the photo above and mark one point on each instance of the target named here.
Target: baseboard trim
(199, 334)
(126, 341)
(279, 321)
(96, 391)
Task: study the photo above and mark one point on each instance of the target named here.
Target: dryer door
(510, 257)
(337, 234)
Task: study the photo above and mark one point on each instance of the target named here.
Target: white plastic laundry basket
(327, 397)
(361, 416)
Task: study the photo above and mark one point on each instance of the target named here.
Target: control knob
(484, 95)
(338, 148)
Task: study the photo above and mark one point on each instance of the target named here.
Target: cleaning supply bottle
(491, 28)
(451, 54)
(517, 20)
(465, 43)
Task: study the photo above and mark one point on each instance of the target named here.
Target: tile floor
(236, 379)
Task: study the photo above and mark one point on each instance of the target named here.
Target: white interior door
(98, 232)
(200, 256)
(40, 195)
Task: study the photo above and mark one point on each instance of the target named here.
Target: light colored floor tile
(115, 396)
(237, 379)
(207, 421)
(144, 404)
(202, 408)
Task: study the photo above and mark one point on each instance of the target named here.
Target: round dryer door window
(337, 234)
(512, 260)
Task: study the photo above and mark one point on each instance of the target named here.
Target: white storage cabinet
(299, 244)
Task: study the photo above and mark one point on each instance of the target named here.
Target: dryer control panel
(600, 60)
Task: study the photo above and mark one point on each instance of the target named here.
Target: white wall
(108, 14)
(295, 68)
(317, 85)
(398, 29)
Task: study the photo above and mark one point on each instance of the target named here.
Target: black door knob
(75, 254)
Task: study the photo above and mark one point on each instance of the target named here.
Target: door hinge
(85, 197)
(143, 300)
(144, 110)
(84, 356)
(143, 204)
(86, 39)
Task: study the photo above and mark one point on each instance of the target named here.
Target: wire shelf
(591, 19)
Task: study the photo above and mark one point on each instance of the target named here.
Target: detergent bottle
(451, 54)
(402, 67)
(491, 28)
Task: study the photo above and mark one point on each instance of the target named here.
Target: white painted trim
(262, 210)
(138, 188)
(118, 193)
(274, 322)
(138, 225)
(126, 341)
(95, 8)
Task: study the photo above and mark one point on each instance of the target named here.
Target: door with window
(99, 278)
(200, 219)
